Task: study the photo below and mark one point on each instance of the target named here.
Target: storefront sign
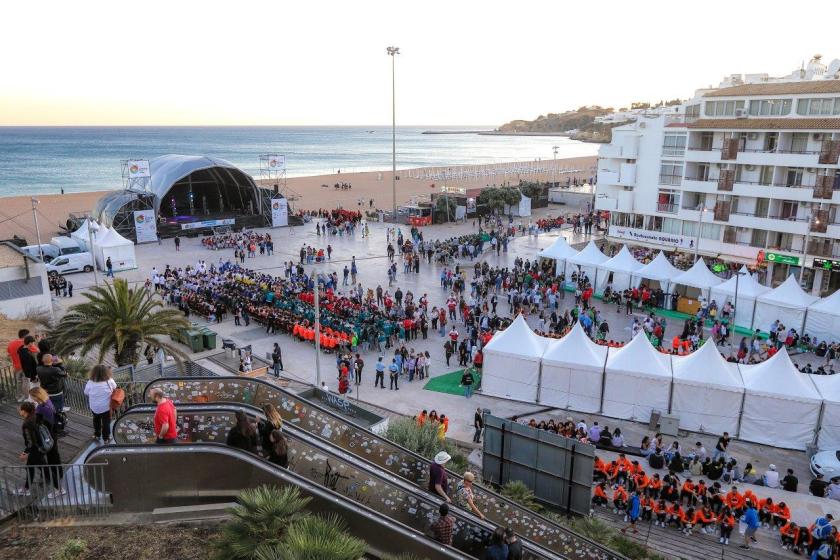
(827, 264)
(781, 259)
(145, 226)
(279, 212)
(208, 224)
(655, 237)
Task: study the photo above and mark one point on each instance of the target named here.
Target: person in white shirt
(833, 490)
(771, 477)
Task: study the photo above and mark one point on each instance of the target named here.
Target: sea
(44, 160)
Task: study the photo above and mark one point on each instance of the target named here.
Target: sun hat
(442, 458)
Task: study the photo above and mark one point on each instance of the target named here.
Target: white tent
(560, 250)
(748, 291)
(589, 259)
(659, 269)
(787, 303)
(781, 404)
(698, 276)
(823, 320)
(83, 235)
(829, 388)
(707, 391)
(512, 362)
(118, 248)
(624, 268)
(573, 372)
(637, 380)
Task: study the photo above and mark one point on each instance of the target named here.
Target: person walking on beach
(166, 421)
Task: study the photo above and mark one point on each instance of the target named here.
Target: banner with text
(279, 212)
(655, 237)
(208, 224)
(138, 169)
(145, 226)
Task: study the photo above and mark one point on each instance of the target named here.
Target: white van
(64, 264)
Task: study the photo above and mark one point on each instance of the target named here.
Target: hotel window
(818, 106)
(710, 231)
(692, 111)
(674, 145)
(668, 200)
(722, 108)
(770, 107)
(671, 225)
(670, 173)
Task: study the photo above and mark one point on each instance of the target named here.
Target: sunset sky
(309, 63)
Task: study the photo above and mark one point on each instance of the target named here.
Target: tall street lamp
(35, 203)
(703, 210)
(811, 221)
(555, 149)
(93, 227)
(393, 52)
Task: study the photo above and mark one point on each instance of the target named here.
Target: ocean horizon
(47, 159)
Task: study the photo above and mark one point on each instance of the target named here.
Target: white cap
(772, 467)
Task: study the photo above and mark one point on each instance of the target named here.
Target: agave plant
(120, 319)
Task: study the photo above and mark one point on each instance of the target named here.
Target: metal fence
(46, 493)
(557, 470)
(8, 383)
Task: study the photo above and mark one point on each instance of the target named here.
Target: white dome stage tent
(559, 251)
(787, 303)
(512, 362)
(781, 404)
(573, 372)
(823, 320)
(707, 392)
(637, 380)
(698, 276)
(589, 259)
(118, 248)
(829, 388)
(624, 268)
(659, 269)
(748, 291)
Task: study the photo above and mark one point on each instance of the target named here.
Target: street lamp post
(738, 275)
(35, 203)
(393, 52)
(811, 221)
(703, 210)
(317, 291)
(554, 181)
(92, 227)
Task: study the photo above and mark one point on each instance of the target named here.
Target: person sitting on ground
(646, 447)
(599, 497)
(790, 483)
(617, 439)
(750, 475)
(726, 522)
(771, 477)
(676, 463)
(818, 486)
(657, 459)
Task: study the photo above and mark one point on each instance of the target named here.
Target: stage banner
(277, 163)
(138, 169)
(655, 237)
(208, 224)
(279, 212)
(145, 226)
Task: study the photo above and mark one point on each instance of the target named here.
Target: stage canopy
(560, 250)
(572, 372)
(748, 291)
(787, 303)
(698, 276)
(659, 269)
(512, 362)
(116, 247)
(589, 259)
(707, 391)
(823, 320)
(781, 404)
(637, 380)
(624, 268)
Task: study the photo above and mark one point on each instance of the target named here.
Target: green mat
(450, 383)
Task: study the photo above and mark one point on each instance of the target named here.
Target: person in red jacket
(734, 500)
(687, 492)
(789, 534)
(660, 511)
(676, 516)
(599, 498)
(619, 499)
(781, 516)
(655, 486)
(766, 510)
(726, 521)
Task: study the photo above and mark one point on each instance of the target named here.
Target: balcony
(729, 149)
(824, 187)
(830, 152)
(607, 177)
(667, 208)
(722, 210)
(726, 181)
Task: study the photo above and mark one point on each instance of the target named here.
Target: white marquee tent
(781, 404)
(707, 391)
(118, 248)
(560, 250)
(82, 237)
(787, 303)
(624, 268)
(659, 269)
(589, 259)
(829, 388)
(512, 362)
(823, 320)
(698, 276)
(637, 380)
(572, 372)
(748, 291)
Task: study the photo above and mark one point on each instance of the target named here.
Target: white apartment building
(754, 165)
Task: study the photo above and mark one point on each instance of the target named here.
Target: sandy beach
(413, 185)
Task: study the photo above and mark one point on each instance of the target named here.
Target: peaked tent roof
(660, 268)
(112, 238)
(828, 386)
(639, 358)
(778, 377)
(559, 250)
(576, 348)
(707, 367)
(519, 340)
(748, 286)
(698, 276)
(623, 262)
(830, 304)
(788, 294)
(589, 256)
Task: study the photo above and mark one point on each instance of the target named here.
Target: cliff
(578, 125)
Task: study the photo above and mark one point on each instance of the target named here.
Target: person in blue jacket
(750, 519)
(634, 509)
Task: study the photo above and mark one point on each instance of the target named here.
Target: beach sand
(413, 185)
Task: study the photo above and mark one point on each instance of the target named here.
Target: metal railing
(8, 383)
(50, 492)
(75, 398)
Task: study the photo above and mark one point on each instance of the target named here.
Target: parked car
(826, 463)
(79, 262)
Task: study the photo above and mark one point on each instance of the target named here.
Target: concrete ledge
(182, 513)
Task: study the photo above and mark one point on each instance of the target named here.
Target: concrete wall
(19, 296)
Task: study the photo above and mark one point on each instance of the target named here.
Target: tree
(445, 207)
(120, 319)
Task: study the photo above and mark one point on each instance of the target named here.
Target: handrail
(385, 454)
(140, 478)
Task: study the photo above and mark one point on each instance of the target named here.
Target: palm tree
(119, 319)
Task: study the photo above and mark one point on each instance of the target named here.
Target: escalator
(388, 456)
(321, 463)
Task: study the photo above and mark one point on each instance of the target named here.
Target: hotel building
(746, 172)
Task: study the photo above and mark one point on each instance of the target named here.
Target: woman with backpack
(40, 449)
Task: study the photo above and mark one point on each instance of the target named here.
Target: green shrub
(517, 491)
(423, 440)
(629, 548)
(319, 538)
(71, 550)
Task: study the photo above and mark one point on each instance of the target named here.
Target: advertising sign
(138, 169)
(277, 162)
(279, 212)
(208, 224)
(781, 259)
(145, 226)
(656, 237)
(827, 264)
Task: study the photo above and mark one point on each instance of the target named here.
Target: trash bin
(195, 341)
(209, 338)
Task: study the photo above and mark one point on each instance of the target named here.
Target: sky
(324, 62)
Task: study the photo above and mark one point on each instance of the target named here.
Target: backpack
(45, 442)
(60, 421)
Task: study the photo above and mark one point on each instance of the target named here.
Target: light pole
(92, 227)
(554, 181)
(393, 52)
(35, 203)
(317, 291)
(811, 221)
(703, 210)
(738, 275)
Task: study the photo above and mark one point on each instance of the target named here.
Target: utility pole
(35, 203)
(393, 52)
(316, 291)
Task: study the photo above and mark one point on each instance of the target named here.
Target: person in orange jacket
(687, 492)
(647, 508)
(789, 534)
(734, 500)
(619, 499)
(676, 516)
(700, 492)
(781, 516)
(766, 510)
(421, 419)
(655, 486)
(660, 511)
(641, 481)
(600, 470)
(726, 522)
(703, 518)
(599, 498)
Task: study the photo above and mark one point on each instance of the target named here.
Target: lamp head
(393, 50)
